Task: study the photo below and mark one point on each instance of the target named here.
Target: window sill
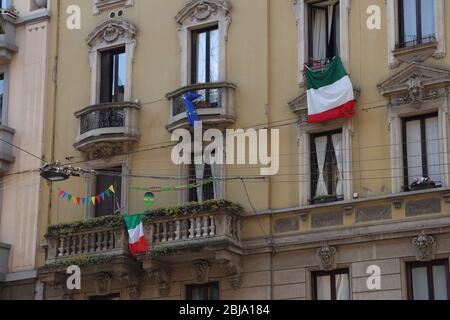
(417, 53)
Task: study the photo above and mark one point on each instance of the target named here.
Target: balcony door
(105, 179)
(112, 75)
(323, 30)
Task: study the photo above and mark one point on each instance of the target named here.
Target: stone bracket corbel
(160, 274)
(231, 264)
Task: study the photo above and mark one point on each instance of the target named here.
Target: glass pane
(409, 20)
(420, 283)
(323, 288)
(197, 293)
(428, 20)
(319, 34)
(201, 57)
(337, 30)
(342, 287)
(2, 91)
(440, 283)
(214, 56)
(213, 292)
(121, 77)
(414, 150)
(433, 151)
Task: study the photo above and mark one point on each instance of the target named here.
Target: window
(428, 280)
(421, 149)
(417, 22)
(203, 292)
(196, 174)
(105, 179)
(323, 31)
(112, 83)
(333, 285)
(2, 95)
(327, 179)
(205, 55)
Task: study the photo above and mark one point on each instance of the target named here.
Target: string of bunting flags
(87, 201)
(148, 198)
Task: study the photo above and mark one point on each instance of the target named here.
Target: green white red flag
(329, 93)
(136, 238)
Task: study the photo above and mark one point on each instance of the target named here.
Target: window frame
(107, 81)
(314, 164)
(310, 49)
(429, 265)
(194, 47)
(206, 287)
(118, 191)
(422, 118)
(4, 69)
(401, 25)
(332, 274)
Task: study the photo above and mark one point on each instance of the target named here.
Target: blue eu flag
(189, 99)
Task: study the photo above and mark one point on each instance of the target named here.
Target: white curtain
(337, 143)
(199, 174)
(433, 150)
(414, 150)
(428, 18)
(342, 287)
(321, 151)
(319, 35)
(215, 171)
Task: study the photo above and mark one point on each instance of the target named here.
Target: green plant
(79, 261)
(77, 226)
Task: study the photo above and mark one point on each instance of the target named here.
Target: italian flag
(136, 238)
(330, 93)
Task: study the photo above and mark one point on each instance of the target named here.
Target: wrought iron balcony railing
(111, 123)
(215, 105)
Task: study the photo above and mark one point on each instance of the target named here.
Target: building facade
(24, 70)
(350, 201)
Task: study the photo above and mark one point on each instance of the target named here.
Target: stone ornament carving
(162, 277)
(200, 270)
(100, 5)
(417, 92)
(327, 257)
(233, 273)
(106, 150)
(424, 247)
(200, 10)
(111, 31)
(415, 84)
(103, 282)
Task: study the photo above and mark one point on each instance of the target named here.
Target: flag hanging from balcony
(136, 239)
(191, 111)
(330, 93)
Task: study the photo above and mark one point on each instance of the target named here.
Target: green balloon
(149, 199)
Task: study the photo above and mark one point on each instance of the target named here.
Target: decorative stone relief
(424, 246)
(233, 273)
(327, 257)
(201, 10)
(200, 270)
(162, 277)
(100, 5)
(103, 282)
(110, 31)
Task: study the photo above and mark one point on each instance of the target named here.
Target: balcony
(169, 232)
(194, 233)
(215, 107)
(6, 151)
(7, 36)
(107, 129)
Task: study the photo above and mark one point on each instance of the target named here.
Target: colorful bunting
(87, 201)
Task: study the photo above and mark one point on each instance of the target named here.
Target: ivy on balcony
(190, 209)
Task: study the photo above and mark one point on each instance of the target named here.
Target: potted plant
(422, 183)
(10, 11)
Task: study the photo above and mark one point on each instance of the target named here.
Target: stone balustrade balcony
(215, 107)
